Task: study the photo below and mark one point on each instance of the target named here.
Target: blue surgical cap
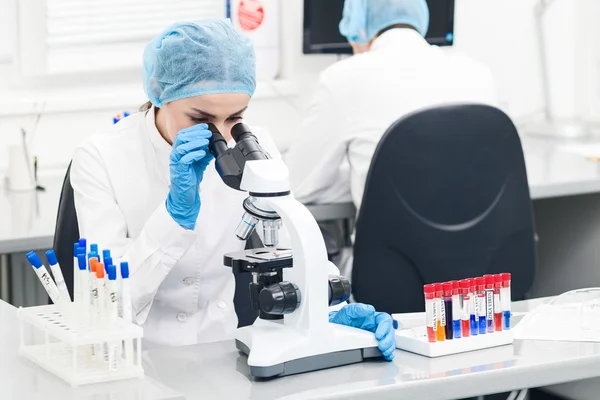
(363, 19)
(196, 58)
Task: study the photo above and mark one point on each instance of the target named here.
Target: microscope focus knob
(339, 290)
(279, 298)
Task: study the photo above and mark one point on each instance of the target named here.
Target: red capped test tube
(448, 309)
(473, 306)
(465, 302)
(456, 310)
(489, 303)
(505, 300)
(430, 312)
(441, 312)
(497, 305)
(481, 309)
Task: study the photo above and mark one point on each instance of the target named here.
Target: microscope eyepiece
(218, 144)
(247, 143)
(239, 131)
(230, 162)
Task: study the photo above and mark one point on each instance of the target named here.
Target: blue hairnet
(196, 58)
(363, 19)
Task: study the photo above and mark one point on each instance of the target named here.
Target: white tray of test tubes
(415, 340)
(77, 350)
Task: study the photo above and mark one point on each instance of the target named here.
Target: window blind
(92, 22)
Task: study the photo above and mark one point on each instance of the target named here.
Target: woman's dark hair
(146, 106)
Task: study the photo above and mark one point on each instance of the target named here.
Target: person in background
(148, 190)
(393, 72)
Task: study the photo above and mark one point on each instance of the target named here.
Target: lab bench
(218, 371)
(566, 193)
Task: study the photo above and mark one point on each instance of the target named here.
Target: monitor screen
(322, 18)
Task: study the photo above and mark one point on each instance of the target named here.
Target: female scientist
(147, 189)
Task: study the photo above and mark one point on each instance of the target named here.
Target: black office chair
(67, 233)
(446, 198)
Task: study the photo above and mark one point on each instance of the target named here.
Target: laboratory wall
(498, 33)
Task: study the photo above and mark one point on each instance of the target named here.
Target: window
(7, 31)
(59, 37)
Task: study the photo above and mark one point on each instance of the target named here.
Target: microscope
(292, 288)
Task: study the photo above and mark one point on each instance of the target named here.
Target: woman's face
(223, 110)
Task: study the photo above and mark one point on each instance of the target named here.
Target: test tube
(58, 276)
(105, 255)
(448, 308)
(92, 282)
(101, 307)
(489, 302)
(430, 312)
(505, 300)
(481, 304)
(76, 288)
(465, 302)
(44, 277)
(497, 305)
(92, 254)
(127, 310)
(113, 348)
(456, 310)
(473, 306)
(83, 297)
(83, 244)
(441, 312)
(94, 303)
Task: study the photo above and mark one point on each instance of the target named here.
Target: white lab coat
(182, 293)
(359, 98)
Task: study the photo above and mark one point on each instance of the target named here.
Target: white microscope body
(306, 335)
(292, 290)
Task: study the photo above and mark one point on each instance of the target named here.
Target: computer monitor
(322, 18)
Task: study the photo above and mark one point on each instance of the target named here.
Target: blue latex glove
(189, 159)
(365, 317)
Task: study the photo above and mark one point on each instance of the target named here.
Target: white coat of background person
(394, 71)
(147, 189)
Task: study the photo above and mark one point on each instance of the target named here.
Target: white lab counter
(218, 371)
(27, 219)
(553, 172)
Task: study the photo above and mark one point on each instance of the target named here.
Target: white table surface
(27, 220)
(218, 371)
(554, 172)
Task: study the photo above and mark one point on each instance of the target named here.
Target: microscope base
(311, 363)
(342, 345)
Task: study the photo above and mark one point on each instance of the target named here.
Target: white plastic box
(54, 339)
(415, 341)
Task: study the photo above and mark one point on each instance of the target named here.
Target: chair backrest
(446, 198)
(67, 233)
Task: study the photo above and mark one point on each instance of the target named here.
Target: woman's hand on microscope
(365, 317)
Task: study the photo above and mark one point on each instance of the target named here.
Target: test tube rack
(415, 340)
(51, 337)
